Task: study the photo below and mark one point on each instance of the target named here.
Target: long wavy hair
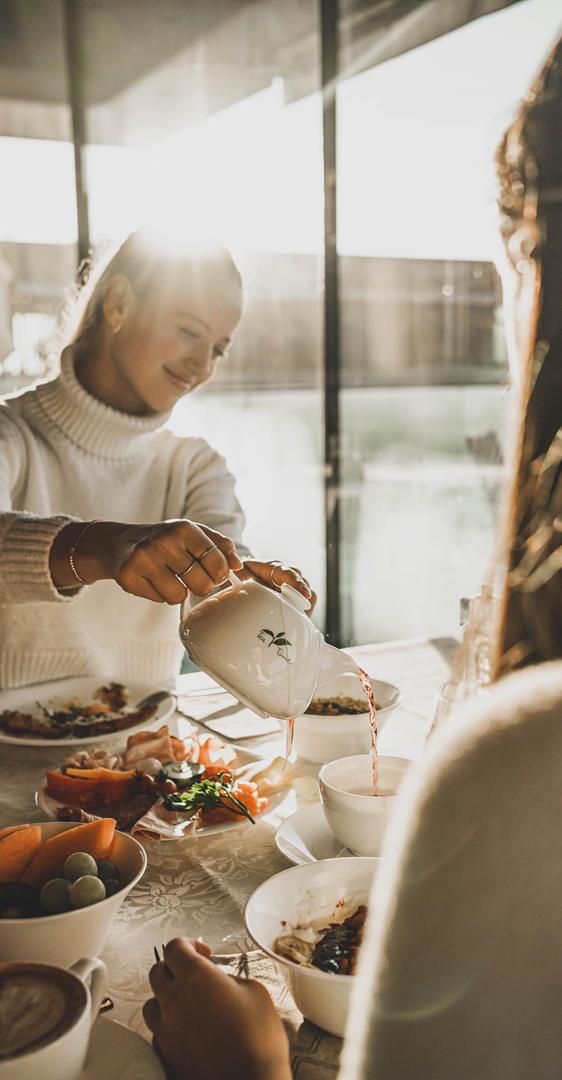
(529, 162)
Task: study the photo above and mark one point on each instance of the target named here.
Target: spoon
(155, 699)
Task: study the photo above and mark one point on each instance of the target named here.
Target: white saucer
(117, 1053)
(305, 837)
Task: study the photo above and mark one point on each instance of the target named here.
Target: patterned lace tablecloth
(200, 887)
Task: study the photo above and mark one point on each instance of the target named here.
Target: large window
(423, 357)
(215, 111)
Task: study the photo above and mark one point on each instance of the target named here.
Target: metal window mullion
(72, 31)
(329, 16)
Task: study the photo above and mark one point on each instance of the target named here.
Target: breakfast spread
(195, 779)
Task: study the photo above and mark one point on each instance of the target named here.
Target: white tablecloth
(200, 887)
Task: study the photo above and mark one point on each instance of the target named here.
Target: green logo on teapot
(280, 642)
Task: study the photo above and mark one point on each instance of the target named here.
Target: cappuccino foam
(38, 1004)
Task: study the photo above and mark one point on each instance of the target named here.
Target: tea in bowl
(29, 929)
(46, 1014)
(337, 721)
(355, 815)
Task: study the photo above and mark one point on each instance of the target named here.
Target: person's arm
(207, 1024)
(25, 539)
(158, 562)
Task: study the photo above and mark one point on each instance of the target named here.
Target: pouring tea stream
(260, 646)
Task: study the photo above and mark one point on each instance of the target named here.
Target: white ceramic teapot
(261, 647)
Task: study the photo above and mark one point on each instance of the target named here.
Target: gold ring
(277, 566)
(190, 567)
(213, 547)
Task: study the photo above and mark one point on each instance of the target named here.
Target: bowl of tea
(337, 722)
(358, 795)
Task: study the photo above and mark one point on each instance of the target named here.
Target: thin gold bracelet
(74, 547)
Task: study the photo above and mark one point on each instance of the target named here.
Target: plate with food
(73, 712)
(163, 787)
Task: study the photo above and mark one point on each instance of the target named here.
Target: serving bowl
(63, 939)
(299, 896)
(356, 817)
(321, 737)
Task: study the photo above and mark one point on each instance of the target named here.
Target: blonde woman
(108, 520)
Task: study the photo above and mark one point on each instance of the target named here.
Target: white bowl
(63, 939)
(299, 896)
(356, 817)
(322, 738)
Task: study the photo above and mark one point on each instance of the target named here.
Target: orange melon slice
(18, 849)
(95, 837)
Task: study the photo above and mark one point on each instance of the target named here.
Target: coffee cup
(46, 1015)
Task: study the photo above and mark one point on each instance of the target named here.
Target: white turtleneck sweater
(66, 456)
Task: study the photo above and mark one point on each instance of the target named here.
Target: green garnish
(207, 795)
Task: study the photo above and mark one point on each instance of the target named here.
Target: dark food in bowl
(337, 706)
(332, 949)
(338, 948)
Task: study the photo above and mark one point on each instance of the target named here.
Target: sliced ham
(156, 744)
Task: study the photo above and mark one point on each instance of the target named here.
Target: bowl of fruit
(61, 886)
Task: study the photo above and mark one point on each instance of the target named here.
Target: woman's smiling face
(171, 343)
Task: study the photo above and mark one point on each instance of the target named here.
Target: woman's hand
(275, 574)
(159, 562)
(207, 1024)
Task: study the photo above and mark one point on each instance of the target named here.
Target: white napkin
(226, 716)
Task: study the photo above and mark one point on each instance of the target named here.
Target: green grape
(79, 864)
(112, 885)
(54, 896)
(107, 870)
(86, 890)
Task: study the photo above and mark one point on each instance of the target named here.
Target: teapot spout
(333, 662)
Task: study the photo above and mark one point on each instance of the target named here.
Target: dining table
(198, 886)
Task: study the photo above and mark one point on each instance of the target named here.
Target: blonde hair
(154, 266)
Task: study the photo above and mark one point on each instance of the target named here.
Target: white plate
(83, 690)
(305, 837)
(117, 1053)
(50, 806)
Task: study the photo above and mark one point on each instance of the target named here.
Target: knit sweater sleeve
(459, 975)
(25, 539)
(211, 498)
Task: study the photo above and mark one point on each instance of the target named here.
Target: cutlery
(207, 727)
(155, 699)
(220, 959)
